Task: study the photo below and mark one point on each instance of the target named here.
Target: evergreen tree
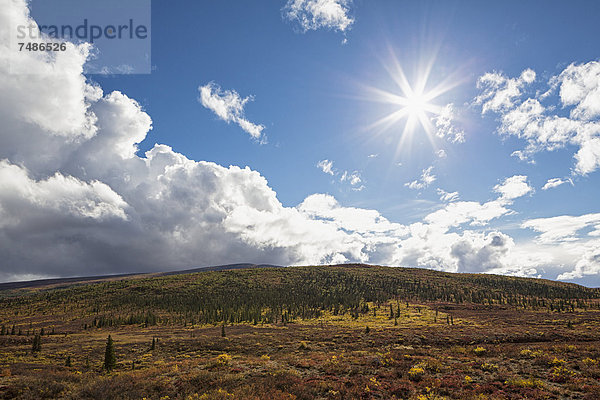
(110, 361)
(153, 344)
(223, 330)
(37, 344)
(68, 361)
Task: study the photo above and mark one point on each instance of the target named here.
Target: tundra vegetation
(327, 332)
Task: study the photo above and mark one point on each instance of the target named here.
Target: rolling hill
(261, 331)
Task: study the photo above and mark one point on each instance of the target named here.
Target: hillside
(465, 335)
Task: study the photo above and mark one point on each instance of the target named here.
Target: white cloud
(580, 87)
(427, 178)
(352, 177)
(317, 14)
(441, 153)
(513, 187)
(562, 228)
(373, 155)
(326, 166)
(462, 212)
(544, 127)
(444, 123)
(555, 182)
(24, 199)
(500, 92)
(588, 264)
(229, 106)
(447, 196)
(483, 252)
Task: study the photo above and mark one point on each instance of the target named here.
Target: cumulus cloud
(500, 92)
(514, 187)
(555, 182)
(544, 127)
(426, 179)
(482, 252)
(318, 14)
(228, 105)
(588, 264)
(441, 153)
(23, 198)
(457, 213)
(575, 237)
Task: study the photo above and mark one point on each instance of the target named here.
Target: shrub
(303, 345)
(531, 383)
(479, 351)
(489, 367)
(588, 362)
(223, 359)
(417, 372)
(561, 374)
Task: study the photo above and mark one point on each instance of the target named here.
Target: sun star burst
(416, 102)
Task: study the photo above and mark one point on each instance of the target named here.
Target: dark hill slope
(268, 294)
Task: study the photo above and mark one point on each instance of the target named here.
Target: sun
(415, 103)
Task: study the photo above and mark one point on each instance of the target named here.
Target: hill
(65, 282)
(308, 332)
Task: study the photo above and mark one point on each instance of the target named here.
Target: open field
(341, 332)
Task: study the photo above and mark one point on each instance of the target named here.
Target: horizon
(458, 137)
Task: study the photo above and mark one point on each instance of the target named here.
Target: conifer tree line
(282, 295)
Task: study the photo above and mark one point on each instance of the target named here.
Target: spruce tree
(68, 361)
(37, 344)
(223, 330)
(110, 361)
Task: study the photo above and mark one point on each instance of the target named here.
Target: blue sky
(316, 92)
(307, 89)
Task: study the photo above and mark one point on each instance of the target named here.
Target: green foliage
(110, 360)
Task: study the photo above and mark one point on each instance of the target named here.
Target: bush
(417, 372)
(479, 351)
